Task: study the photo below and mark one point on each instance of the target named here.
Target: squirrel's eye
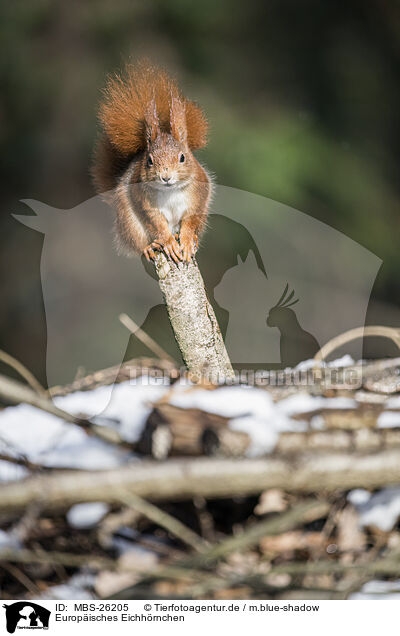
(150, 160)
(181, 157)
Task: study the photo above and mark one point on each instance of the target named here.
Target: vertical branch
(193, 319)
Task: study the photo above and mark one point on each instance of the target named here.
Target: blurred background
(303, 101)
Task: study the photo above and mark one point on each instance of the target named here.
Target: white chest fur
(172, 203)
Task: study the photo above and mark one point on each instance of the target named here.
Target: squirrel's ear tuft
(152, 124)
(178, 119)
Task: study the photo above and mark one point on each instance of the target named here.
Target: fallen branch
(183, 479)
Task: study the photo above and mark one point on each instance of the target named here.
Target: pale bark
(193, 319)
(180, 479)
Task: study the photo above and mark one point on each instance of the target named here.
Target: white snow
(228, 401)
(306, 365)
(7, 541)
(378, 590)
(77, 587)
(393, 402)
(344, 361)
(317, 423)
(304, 403)
(264, 430)
(86, 515)
(388, 419)
(46, 439)
(251, 410)
(358, 496)
(128, 402)
(11, 472)
(380, 510)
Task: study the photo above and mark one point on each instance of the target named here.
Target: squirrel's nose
(165, 179)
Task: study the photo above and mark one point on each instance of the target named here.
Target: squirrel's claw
(170, 247)
(149, 252)
(189, 247)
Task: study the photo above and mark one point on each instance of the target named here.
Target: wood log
(171, 430)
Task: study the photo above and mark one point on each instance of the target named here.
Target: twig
(118, 373)
(147, 340)
(306, 510)
(17, 555)
(23, 461)
(388, 566)
(163, 519)
(353, 334)
(84, 560)
(23, 372)
(22, 578)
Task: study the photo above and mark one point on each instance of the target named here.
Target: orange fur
(144, 162)
(124, 111)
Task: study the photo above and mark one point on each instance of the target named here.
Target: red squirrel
(145, 166)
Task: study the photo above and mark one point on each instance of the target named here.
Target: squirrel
(145, 167)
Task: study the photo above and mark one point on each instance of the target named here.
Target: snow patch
(8, 541)
(76, 588)
(305, 403)
(388, 419)
(344, 361)
(228, 401)
(378, 590)
(46, 439)
(11, 472)
(380, 510)
(86, 515)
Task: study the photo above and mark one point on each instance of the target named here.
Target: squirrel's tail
(127, 99)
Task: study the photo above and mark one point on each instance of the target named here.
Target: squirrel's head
(168, 160)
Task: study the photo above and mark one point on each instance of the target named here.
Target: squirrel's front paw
(189, 245)
(149, 252)
(169, 246)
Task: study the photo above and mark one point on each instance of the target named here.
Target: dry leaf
(108, 582)
(271, 501)
(137, 560)
(349, 535)
(291, 541)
